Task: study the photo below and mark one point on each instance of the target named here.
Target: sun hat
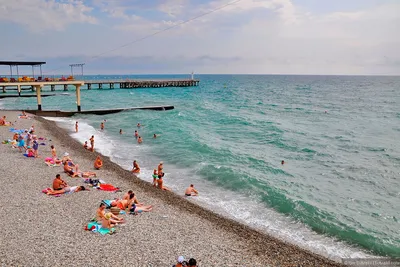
(108, 216)
(181, 259)
(161, 162)
(28, 146)
(66, 154)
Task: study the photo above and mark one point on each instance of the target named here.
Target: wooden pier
(129, 84)
(100, 84)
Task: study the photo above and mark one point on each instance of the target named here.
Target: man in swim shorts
(59, 183)
(190, 191)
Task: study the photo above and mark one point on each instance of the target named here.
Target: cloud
(264, 36)
(43, 15)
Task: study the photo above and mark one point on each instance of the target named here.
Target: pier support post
(89, 86)
(19, 89)
(65, 87)
(78, 97)
(100, 85)
(39, 97)
(33, 88)
(4, 89)
(53, 87)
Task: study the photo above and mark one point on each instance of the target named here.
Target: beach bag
(115, 210)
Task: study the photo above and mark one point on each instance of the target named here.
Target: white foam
(227, 203)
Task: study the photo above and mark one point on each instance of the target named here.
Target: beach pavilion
(38, 83)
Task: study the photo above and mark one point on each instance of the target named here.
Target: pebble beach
(41, 230)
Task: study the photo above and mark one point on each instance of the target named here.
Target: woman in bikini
(133, 208)
(101, 212)
(136, 168)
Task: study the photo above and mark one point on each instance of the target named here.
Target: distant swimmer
(282, 162)
(76, 126)
(136, 168)
(136, 134)
(190, 191)
(91, 143)
(138, 125)
(154, 136)
(102, 126)
(139, 140)
(120, 131)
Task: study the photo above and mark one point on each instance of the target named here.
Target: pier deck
(110, 83)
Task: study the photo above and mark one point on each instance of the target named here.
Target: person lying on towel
(67, 189)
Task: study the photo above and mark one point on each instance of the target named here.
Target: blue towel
(107, 202)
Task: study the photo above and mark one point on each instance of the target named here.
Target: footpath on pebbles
(41, 230)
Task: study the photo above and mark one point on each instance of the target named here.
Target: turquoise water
(338, 192)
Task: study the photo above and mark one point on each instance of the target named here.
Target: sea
(338, 192)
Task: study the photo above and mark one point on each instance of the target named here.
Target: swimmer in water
(120, 131)
(139, 140)
(136, 134)
(154, 136)
(282, 162)
(190, 191)
(138, 125)
(102, 126)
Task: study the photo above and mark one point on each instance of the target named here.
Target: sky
(351, 37)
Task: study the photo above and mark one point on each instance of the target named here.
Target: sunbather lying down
(68, 189)
(124, 204)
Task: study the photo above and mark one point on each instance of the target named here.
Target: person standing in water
(92, 143)
(76, 127)
(102, 126)
(139, 140)
(136, 134)
(190, 191)
(155, 176)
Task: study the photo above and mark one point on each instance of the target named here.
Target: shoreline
(257, 242)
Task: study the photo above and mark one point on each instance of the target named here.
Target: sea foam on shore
(224, 202)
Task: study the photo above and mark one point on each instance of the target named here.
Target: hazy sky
(250, 36)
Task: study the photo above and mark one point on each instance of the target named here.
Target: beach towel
(13, 130)
(96, 228)
(108, 187)
(107, 202)
(47, 190)
(29, 156)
